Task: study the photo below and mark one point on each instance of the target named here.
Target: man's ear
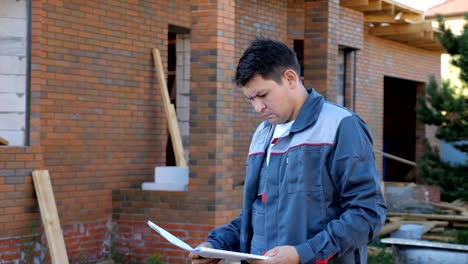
(291, 77)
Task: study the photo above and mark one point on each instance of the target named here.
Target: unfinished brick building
(79, 97)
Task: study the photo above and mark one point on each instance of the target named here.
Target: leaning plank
(432, 216)
(49, 215)
(4, 142)
(170, 112)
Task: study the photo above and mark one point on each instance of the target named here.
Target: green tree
(446, 108)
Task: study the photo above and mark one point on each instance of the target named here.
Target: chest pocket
(304, 169)
(258, 207)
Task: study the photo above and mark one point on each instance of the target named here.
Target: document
(203, 251)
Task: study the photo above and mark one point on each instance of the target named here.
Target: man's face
(272, 100)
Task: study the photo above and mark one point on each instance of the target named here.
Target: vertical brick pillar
(320, 46)
(211, 132)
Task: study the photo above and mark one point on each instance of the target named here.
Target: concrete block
(155, 186)
(168, 179)
(171, 174)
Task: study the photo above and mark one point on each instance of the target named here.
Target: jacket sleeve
(352, 168)
(227, 236)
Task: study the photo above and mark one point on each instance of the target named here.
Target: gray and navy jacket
(322, 194)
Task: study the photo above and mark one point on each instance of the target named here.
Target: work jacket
(322, 193)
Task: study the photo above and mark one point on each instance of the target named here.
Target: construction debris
(449, 215)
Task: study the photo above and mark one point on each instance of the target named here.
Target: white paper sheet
(202, 251)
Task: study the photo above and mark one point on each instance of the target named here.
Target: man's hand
(200, 260)
(279, 255)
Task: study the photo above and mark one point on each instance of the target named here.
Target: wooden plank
(399, 29)
(432, 216)
(170, 112)
(176, 138)
(458, 209)
(392, 18)
(460, 225)
(438, 238)
(428, 225)
(398, 6)
(390, 156)
(374, 5)
(4, 142)
(49, 215)
(406, 37)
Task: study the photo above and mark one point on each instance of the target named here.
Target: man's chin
(274, 121)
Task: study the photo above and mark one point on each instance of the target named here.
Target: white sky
(420, 4)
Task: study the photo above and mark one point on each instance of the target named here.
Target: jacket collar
(309, 112)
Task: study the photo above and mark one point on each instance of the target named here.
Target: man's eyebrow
(249, 97)
(255, 95)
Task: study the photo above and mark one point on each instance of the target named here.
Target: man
(312, 192)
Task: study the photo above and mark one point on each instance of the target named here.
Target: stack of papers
(203, 251)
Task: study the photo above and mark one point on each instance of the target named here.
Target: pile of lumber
(449, 215)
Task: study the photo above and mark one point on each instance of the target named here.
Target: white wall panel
(12, 84)
(12, 121)
(12, 102)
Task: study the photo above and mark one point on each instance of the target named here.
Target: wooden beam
(391, 18)
(397, 29)
(171, 116)
(374, 5)
(353, 3)
(406, 37)
(431, 46)
(49, 215)
(398, 6)
(388, 8)
(413, 39)
(382, 12)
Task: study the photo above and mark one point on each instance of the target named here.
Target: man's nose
(258, 105)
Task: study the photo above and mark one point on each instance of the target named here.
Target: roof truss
(392, 20)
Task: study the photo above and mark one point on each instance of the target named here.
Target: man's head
(268, 59)
(269, 75)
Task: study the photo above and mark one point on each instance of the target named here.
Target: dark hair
(267, 58)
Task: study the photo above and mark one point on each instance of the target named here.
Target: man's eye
(261, 95)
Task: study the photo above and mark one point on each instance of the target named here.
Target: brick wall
(96, 119)
(380, 58)
(28, 248)
(267, 19)
(18, 207)
(295, 22)
(181, 213)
